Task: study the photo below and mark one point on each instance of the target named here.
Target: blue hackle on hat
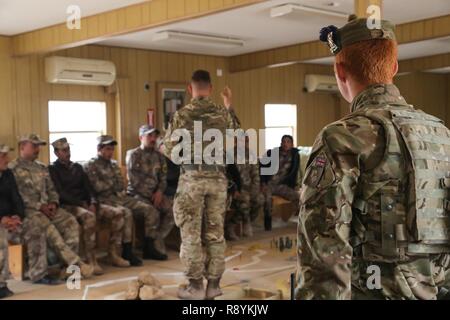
(325, 31)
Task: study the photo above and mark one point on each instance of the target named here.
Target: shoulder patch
(318, 173)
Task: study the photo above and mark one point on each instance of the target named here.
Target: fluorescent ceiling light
(200, 39)
(290, 7)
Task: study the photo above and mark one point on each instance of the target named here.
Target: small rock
(146, 278)
(133, 290)
(150, 293)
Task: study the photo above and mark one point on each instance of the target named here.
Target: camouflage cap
(147, 129)
(33, 138)
(356, 30)
(5, 149)
(61, 144)
(106, 140)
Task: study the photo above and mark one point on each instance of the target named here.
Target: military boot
(128, 254)
(5, 292)
(193, 291)
(213, 289)
(231, 232)
(150, 252)
(86, 270)
(115, 259)
(92, 260)
(247, 230)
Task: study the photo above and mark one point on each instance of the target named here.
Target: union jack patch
(320, 161)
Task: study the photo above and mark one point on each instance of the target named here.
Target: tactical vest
(401, 208)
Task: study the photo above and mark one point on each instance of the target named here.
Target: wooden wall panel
(426, 91)
(7, 110)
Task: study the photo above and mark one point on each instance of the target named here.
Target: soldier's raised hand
(226, 96)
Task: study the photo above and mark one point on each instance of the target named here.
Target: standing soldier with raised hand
(202, 189)
(374, 214)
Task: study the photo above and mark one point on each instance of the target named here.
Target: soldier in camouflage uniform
(284, 182)
(12, 213)
(107, 181)
(46, 223)
(202, 189)
(248, 201)
(374, 219)
(78, 198)
(147, 169)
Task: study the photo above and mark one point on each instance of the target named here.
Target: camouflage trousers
(200, 203)
(121, 221)
(115, 216)
(247, 206)
(283, 191)
(421, 279)
(165, 222)
(138, 210)
(87, 221)
(6, 237)
(61, 234)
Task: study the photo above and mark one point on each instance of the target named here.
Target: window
(280, 119)
(81, 122)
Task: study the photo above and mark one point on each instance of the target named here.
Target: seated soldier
(77, 197)
(12, 213)
(282, 183)
(107, 181)
(147, 182)
(46, 224)
(248, 200)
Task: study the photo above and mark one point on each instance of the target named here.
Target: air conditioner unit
(64, 70)
(321, 83)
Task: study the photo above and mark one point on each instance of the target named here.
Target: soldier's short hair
(287, 136)
(201, 77)
(370, 62)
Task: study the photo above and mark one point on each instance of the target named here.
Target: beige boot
(86, 270)
(115, 259)
(231, 232)
(193, 291)
(247, 230)
(213, 289)
(92, 260)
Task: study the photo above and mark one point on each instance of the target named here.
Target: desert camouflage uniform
(107, 181)
(201, 195)
(276, 188)
(358, 203)
(250, 198)
(147, 171)
(5, 238)
(61, 233)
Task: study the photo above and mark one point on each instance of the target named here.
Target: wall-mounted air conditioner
(320, 83)
(64, 70)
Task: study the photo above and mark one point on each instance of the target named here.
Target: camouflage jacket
(345, 156)
(210, 115)
(34, 183)
(105, 178)
(249, 174)
(288, 168)
(147, 170)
